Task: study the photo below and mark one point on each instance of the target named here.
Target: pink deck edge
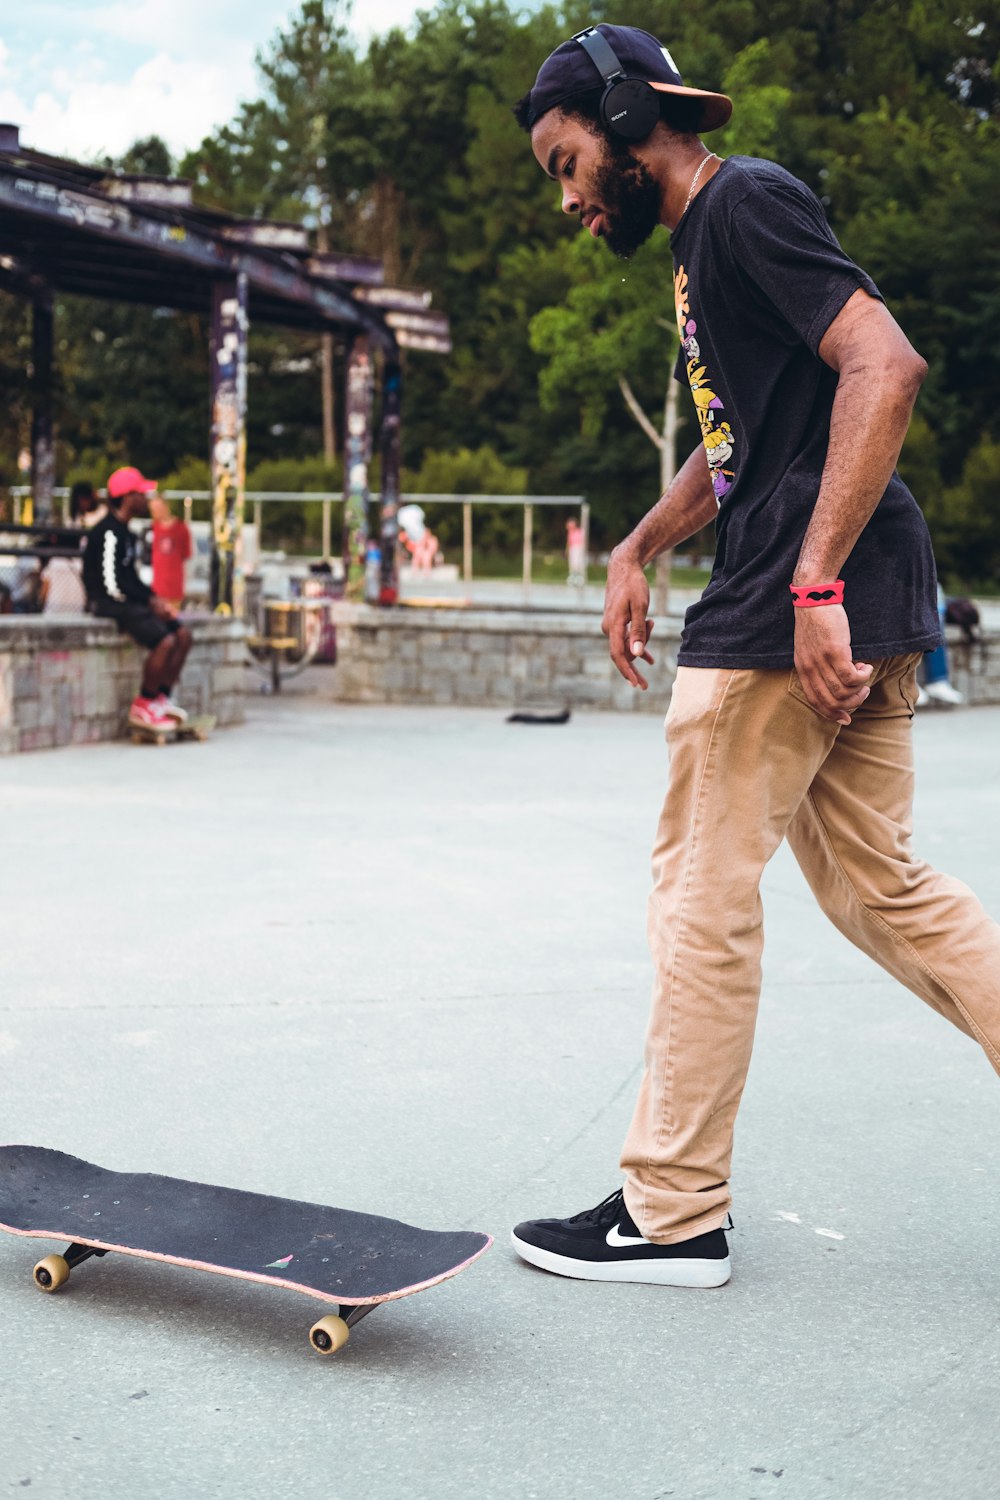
(204, 1265)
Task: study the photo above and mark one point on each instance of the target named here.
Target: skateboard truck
(331, 1333)
(53, 1272)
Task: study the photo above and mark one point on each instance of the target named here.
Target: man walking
(791, 712)
(115, 590)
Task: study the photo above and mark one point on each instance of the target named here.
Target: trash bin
(321, 587)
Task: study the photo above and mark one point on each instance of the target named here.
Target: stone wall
(974, 668)
(69, 679)
(510, 659)
(502, 658)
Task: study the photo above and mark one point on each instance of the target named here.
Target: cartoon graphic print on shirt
(716, 434)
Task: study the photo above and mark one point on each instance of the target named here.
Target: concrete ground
(394, 958)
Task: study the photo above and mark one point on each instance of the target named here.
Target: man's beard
(631, 199)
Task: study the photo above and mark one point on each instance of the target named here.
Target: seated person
(24, 584)
(62, 591)
(116, 592)
(86, 508)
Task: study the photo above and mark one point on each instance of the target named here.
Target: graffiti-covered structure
(72, 228)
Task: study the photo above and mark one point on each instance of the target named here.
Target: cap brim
(716, 108)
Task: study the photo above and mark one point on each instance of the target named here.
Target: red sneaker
(145, 714)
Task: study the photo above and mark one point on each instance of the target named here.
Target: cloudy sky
(86, 77)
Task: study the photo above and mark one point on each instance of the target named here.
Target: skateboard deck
(198, 727)
(352, 1261)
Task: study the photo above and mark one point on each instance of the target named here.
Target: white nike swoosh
(615, 1238)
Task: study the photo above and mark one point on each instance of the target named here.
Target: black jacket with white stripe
(109, 573)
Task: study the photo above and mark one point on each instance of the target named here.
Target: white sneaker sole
(672, 1271)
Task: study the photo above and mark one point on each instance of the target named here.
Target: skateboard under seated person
(116, 592)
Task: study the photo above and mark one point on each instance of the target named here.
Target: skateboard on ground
(199, 727)
(351, 1261)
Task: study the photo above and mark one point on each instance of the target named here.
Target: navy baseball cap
(569, 71)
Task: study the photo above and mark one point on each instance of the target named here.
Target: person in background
(24, 586)
(61, 584)
(417, 537)
(575, 552)
(86, 508)
(171, 550)
(62, 590)
(116, 592)
(936, 686)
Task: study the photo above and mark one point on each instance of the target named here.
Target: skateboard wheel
(326, 1336)
(51, 1273)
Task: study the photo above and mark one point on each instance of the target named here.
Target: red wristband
(811, 595)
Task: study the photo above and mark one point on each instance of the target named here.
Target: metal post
(327, 524)
(392, 399)
(228, 360)
(585, 528)
(529, 511)
(357, 452)
(326, 363)
(467, 541)
(258, 523)
(43, 453)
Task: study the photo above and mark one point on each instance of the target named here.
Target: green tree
(614, 329)
(405, 148)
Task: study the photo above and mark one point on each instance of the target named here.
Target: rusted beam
(30, 199)
(395, 298)
(332, 266)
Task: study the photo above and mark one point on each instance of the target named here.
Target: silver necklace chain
(694, 182)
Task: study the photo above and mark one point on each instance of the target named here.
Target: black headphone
(629, 107)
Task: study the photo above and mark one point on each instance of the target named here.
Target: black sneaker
(604, 1244)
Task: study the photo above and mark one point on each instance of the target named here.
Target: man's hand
(161, 607)
(626, 604)
(834, 684)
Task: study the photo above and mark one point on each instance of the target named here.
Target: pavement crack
(627, 1082)
(959, 1364)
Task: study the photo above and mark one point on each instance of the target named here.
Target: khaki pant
(750, 764)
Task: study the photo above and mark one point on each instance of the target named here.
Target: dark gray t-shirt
(758, 279)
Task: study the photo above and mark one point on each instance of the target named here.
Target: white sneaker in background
(943, 692)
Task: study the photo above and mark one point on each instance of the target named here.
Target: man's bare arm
(880, 374)
(684, 508)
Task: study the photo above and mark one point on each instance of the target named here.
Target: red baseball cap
(127, 481)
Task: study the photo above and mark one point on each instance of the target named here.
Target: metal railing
(257, 499)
